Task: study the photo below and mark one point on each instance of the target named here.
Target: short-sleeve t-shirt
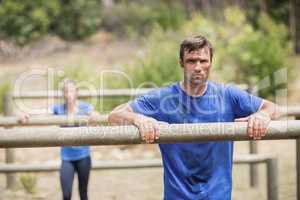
(200, 170)
(73, 153)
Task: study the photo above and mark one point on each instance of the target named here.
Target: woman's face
(70, 92)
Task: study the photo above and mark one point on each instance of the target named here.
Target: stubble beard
(195, 84)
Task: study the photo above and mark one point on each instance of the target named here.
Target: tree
(297, 25)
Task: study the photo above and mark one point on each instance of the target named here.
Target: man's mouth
(198, 76)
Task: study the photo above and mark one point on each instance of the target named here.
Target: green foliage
(124, 18)
(87, 78)
(260, 54)
(26, 20)
(279, 11)
(242, 54)
(29, 183)
(77, 19)
(158, 64)
(5, 87)
(84, 73)
(139, 18)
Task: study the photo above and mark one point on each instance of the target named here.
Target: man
(203, 170)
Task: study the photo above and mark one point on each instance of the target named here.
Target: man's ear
(181, 63)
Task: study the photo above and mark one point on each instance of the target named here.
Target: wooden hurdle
(269, 161)
(120, 135)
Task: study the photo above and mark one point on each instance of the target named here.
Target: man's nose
(198, 66)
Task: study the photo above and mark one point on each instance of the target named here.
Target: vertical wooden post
(253, 166)
(297, 25)
(298, 164)
(9, 153)
(253, 171)
(272, 179)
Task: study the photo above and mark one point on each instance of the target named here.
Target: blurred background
(135, 43)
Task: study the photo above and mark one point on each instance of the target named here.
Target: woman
(74, 159)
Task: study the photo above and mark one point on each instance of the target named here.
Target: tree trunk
(189, 7)
(108, 3)
(263, 6)
(297, 25)
(292, 23)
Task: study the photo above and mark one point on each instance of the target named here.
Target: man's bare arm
(147, 126)
(258, 122)
(122, 115)
(272, 109)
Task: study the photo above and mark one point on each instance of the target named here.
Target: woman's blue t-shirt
(72, 153)
(203, 170)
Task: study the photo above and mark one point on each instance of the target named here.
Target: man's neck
(193, 90)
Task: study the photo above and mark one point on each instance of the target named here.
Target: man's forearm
(122, 115)
(271, 109)
(121, 118)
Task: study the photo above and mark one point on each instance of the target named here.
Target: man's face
(196, 65)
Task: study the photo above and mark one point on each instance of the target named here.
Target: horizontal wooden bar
(52, 120)
(117, 135)
(83, 120)
(126, 92)
(81, 93)
(112, 165)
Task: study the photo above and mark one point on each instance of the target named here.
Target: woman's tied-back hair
(195, 43)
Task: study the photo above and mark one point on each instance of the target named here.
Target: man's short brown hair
(195, 43)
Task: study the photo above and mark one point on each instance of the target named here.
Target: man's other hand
(257, 124)
(148, 128)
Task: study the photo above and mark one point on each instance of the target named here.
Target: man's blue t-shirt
(202, 170)
(72, 153)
